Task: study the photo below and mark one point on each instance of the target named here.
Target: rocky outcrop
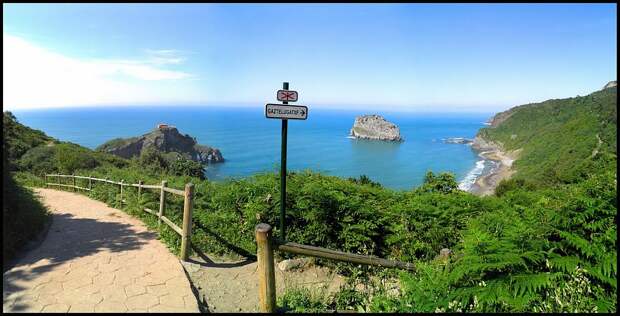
(166, 139)
(501, 117)
(480, 144)
(375, 127)
(457, 140)
(611, 84)
(292, 264)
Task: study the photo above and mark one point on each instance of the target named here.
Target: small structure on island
(375, 127)
(163, 125)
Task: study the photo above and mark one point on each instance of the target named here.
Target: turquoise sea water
(250, 143)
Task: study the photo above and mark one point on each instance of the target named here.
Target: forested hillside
(545, 243)
(562, 140)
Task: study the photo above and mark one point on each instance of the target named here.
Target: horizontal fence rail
(174, 191)
(188, 195)
(157, 187)
(266, 245)
(324, 253)
(69, 186)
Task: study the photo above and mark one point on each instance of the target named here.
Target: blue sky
(411, 57)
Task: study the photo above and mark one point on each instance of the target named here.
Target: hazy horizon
(433, 58)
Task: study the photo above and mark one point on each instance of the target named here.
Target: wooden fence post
(121, 185)
(162, 202)
(266, 272)
(90, 182)
(73, 176)
(46, 185)
(188, 204)
(140, 183)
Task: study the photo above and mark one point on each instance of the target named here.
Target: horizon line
(248, 105)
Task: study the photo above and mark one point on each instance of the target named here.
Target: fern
(578, 243)
(533, 282)
(565, 264)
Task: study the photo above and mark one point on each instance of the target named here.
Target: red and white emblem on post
(287, 95)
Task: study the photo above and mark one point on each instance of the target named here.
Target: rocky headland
(611, 84)
(165, 139)
(375, 127)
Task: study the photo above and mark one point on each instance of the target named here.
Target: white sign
(283, 111)
(287, 95)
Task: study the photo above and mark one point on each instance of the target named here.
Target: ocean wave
(471, 177)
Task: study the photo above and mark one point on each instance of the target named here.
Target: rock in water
(166, 139)
(375, 127)
(457, 140)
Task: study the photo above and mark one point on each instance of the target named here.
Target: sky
(409, 57)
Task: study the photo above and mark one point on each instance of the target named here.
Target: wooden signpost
(285, 112)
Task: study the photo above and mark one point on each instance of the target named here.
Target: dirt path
(233, 286)
(96, 259)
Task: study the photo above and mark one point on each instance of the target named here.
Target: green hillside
(23, 216)
(562, 140)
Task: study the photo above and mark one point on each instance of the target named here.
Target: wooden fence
(185, 232)
(266, 245)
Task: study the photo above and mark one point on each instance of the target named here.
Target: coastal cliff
(166, 139)
(556, 141)
(375, 127)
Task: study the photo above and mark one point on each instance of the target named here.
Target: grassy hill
(562, 140)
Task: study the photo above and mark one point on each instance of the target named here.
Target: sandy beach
(486, 183)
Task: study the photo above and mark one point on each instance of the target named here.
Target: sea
(251, 143)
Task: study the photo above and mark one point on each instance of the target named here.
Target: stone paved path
(96, 259)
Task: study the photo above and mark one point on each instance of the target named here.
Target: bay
(250, 143)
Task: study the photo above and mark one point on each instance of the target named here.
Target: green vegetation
(546, 242)
(18, 139)
(23, 216)
(562, 140)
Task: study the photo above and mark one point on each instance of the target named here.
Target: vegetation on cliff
(562, 140)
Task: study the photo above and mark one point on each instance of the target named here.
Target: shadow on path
(248, 257)
(70, 238)
(208, 263)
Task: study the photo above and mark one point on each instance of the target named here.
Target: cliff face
(611, 84)
(481, 144)
(375, 127)
(165, 139)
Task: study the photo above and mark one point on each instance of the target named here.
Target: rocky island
(375, 127)
(165, 139)
(457, 140)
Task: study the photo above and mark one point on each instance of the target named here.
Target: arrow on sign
(287, 112)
